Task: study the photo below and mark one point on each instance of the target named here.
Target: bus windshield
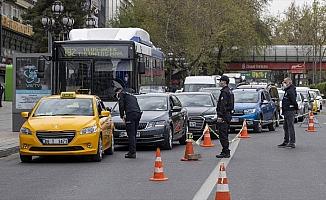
(102, 77)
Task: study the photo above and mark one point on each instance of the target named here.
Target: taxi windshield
(60, 107)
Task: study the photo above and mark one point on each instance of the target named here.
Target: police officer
(289, 108)
(1, 93)
(130, 113)
(224, 111)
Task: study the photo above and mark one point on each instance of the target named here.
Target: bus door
(110, 74)
(73, 75)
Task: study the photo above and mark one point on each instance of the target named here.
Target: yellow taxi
(67, 124)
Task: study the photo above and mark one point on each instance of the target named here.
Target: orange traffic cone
(311, 124)
(222, 187)
(207, 138)
(244, 130)
(189, 151)
(158, 168)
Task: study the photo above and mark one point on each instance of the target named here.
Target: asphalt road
(258, 171)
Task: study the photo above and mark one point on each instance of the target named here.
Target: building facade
(112, 8)
(16, 37)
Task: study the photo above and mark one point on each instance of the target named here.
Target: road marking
(209, 184)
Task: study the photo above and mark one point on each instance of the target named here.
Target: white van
(195, 83)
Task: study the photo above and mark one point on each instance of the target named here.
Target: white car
(319, 99)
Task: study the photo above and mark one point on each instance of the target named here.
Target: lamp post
(57, 24)
(90, 22)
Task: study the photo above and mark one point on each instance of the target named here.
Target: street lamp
(57, 23)
(90, 22)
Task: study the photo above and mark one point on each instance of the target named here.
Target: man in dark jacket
(289, 108)
(224, 111)
(130, 113)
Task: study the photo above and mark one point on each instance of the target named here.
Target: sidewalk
(8, 140)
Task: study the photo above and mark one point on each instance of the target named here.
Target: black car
(201, 107)
(163, 121)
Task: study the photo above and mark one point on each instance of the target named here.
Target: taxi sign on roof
(68, 95)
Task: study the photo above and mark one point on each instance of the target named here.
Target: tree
(205, 32)
(34, 15)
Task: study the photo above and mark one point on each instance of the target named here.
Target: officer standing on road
(130, 113)
(1, 93)
(289, 108)
(224, 111)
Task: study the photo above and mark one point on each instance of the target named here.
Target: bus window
(111, 74)
(77, 75)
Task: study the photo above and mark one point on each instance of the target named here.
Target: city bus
(103, 59)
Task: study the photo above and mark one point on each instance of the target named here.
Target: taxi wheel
(110, 150)
(99, 155)
(26, 159)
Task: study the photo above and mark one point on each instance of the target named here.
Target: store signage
(298, 69)
(16, 26)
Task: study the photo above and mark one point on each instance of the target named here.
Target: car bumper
(80, 145)
(150, 136)
(237, 121)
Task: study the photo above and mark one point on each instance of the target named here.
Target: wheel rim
(112, 144)
(100, 148)
(170, 138)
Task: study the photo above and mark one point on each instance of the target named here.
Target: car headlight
(210, 117)
(156, 124)
(249, 111)
(25, 130)
(89, 130)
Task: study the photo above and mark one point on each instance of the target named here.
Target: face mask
(221, 84)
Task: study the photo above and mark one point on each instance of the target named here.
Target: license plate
(235, 120)
(124, 134)
(55, 141)
(192, 124)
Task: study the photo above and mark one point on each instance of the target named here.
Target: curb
(9, 151)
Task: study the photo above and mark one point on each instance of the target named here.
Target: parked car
(307, 95)
(201, 107)
(216, 91)
(163, 121)
(302, 104)
(256, 106)
(315, 105)
(152, 89)
(67, 124)
(195, 83)
(319, 99)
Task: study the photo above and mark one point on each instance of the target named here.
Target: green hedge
(320, 86)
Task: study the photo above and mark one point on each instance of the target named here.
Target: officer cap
(225, 78)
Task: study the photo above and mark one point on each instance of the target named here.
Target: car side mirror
(265, 102)
(105, 113)
(141, 67)
(24, 114)
(176, 109)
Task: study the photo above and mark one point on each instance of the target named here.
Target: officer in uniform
(289, 109)
(224, 111)
(130, 113)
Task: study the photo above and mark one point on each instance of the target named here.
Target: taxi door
(105, 125)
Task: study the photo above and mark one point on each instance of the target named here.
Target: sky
(279, 6)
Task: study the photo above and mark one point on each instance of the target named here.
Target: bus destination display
(95, 51)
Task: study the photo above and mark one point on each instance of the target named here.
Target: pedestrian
(130, 113)
(289, 109)
(1, 93)
(225, 106)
